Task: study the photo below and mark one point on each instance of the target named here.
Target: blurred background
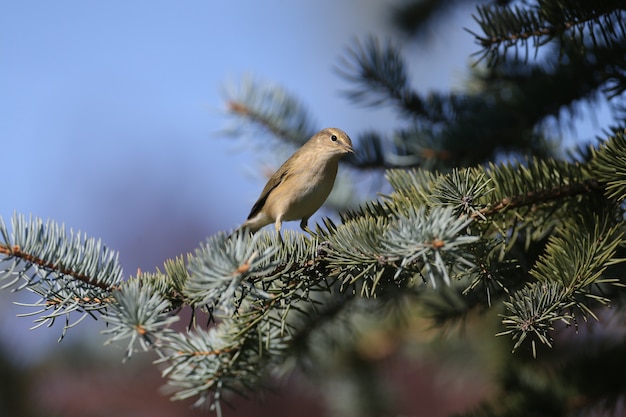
(111, 121)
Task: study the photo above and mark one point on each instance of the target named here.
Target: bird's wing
(274, 182)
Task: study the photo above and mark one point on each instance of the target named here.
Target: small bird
(300, 186)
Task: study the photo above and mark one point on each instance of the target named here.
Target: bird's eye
(333, 138)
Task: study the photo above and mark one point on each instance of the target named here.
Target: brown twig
(241, 109)
(548, 30)
(16, 251)
(541, 196)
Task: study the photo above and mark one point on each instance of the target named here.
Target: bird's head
(332, 141)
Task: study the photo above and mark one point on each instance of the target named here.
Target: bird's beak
(349, 149)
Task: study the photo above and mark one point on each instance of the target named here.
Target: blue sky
(111, 110)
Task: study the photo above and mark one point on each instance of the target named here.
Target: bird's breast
(305, 191)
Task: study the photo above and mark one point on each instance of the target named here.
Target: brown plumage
(301, 185)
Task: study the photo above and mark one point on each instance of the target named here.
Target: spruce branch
(573, 264)
(171, 282)
(270, 108)
(495, 272)
(462, 192)
(536, 181)
(92, 263)
(202, 365)
(509, 187)
(140, 315)
(579, 79)
(609, 162)
(379, 75)
(538, 196)
(437, 240)
(542, 21)
(71, 273)
(237, 352)
(533, 311)
(224, 268)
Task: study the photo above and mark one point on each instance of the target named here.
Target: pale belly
(309, 201)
